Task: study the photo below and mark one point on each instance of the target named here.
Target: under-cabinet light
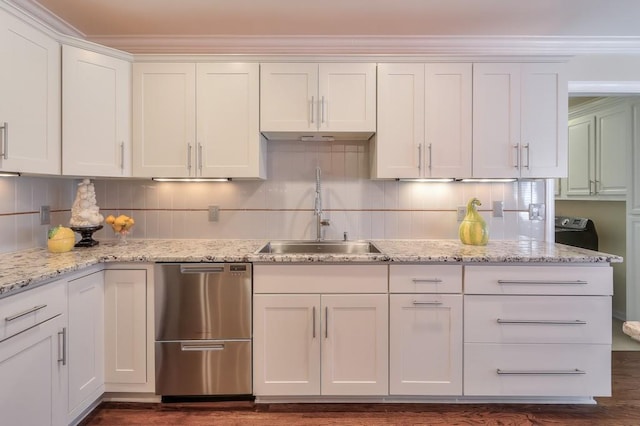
(426, 180)
(9, 174)
(490, 180)
(191, 179)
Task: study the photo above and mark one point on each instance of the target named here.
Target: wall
(610, 219)
(280, 207)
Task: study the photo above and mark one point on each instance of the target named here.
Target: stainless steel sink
(319, 247)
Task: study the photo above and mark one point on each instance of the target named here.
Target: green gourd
(473, 229)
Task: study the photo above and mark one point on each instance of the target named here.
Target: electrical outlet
(214, 213)
(45, 215)
(462, 212)
(498, 209)
(536, 211)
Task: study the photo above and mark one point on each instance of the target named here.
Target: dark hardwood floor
(622, 408)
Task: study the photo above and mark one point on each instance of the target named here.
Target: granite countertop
(30, 267)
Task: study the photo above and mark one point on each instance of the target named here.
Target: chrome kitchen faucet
(317, 211)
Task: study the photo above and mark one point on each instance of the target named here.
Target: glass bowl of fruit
(121, 225)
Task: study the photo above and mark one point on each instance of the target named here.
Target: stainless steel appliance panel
(203, 301)
(205, 367)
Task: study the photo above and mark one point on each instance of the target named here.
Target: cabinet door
(448, 124)
(227, 120)
(33, 386)
(400, 121)
(96, 114)
(30, 100)
(425, 348)
(286, 342)
(288, 97)
(355, 344)
(581, 173)
(164, 114)
(347, 97)
(496, 120)
(544, 114)
(86, 342)
(612, 134)
(125, 326)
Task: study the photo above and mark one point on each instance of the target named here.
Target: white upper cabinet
(519, 120)
(96, 114)
(196, 120)
(424, 121)
(599, 135)
(29, 99)
(227, 116)
(326, 98)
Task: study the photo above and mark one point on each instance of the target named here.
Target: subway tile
(8, 194)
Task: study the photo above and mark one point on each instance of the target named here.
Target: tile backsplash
(280, 207)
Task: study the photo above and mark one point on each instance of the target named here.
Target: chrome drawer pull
(432, 302)
(540, 372)
(314, 322)
(541, 282)
(202, 347)
(63, 333)
(5, 141)
(546, 322)
(426, 280)
(27, 312)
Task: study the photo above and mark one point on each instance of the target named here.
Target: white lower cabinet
(425, 352)
(129, 365)
(308, 343)
(33, 357)
(537, 331)
(85, 342)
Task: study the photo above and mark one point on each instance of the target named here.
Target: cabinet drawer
(24, 310)
(538, 280)
(537, 370)
(425, 278)
(537, 319)
(320, 279)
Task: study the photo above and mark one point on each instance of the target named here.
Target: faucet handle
(345, 236)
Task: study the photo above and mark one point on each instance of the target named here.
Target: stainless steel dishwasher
(203, 329)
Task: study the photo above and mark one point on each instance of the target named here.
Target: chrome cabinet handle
(122, 156)
(430, 302)
(544, 322)
(326, 322)
(540, 372)
(314, 322)
(579, 282)
(430, 156)
(420, 157)
(517, 148)
(322, 110)
(63, 333)
(199, 154)
(200, 347)
(313, 108)
(526, 147)
(27, 312)
(189, 158)
(5, 141)
(426, 280)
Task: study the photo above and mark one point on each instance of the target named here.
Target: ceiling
(107, 21)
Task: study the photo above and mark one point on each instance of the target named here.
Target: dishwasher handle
(201, 269)
(201, 347)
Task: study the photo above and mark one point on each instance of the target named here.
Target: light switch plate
(214, 213)
(498, 209)
(45, 215)
(536, 211)
(462, 212)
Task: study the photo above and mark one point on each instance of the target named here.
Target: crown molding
(374, 45)
(44, 16)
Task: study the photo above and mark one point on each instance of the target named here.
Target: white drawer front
(585, 280)
(537, 370)
(24, 310)
(425, 278)
(537, 319)
(320, 278)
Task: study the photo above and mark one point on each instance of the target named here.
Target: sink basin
(319, 247)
